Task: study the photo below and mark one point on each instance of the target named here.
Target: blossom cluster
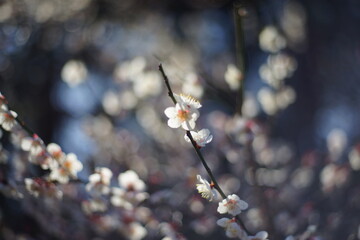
(184, 114)
(63, 167)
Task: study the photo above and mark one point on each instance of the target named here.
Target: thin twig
(238, 11)
(170, 92)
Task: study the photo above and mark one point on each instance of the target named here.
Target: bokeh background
(83, 74)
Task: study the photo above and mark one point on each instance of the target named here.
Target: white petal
(221, 208)
(174, 122)
(170, 112)
(243, 205)
(222, 222)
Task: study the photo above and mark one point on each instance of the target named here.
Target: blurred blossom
(285, 96)
(192, 85)
(293, 22)
(40, 187)
(196, 206)
(7, 119)
(271, 177)
(242, 129)
(204, 226)
(259, 236)
(270, 40)
(147, 84)
(133, 231)
(336, 143)
(111, 103)
(233, 77)
(267, 100)
(130, 70)
(93, 205)
(272, 102)
(354, 158)
(230, 183)
(69, 167)
(128, 99)
(333, 176)
(232, 228)
(99, 182)
(250, 107)
(6, 11)
(302, 177)
(131, 181)
(74, 72)
(277, 68)
(255, 217)
(45, 11)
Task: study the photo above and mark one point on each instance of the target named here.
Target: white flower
(39, 186)
(7, 119)
(206, 189)
(118, 199)
(192, 85)
(232, 205)
(270, 40)
(130, 181)
(263, 235)
(55, 151)
(69, 167)
(201, 137)
(233, 77)
(232, 228)
(99, 181)
(184, 113)
(147, 84)
(94, 205)
(74, 72)
(3, 102)
(134, 231)
(32, 144)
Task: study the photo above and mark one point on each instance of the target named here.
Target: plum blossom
(201, 137)
(33, 144)
(271, 40)
(184, 113)
(233, 77)
(134, 231)
(232, 228)
(263, 235)
(130, 181)
(232, 205)
(94, 205)
(206, 189)
(74, 72)
(8, 119)
(99, 181)
(69, 167)
(40, 187)
(3, 102)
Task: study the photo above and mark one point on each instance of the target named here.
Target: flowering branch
(196, 146)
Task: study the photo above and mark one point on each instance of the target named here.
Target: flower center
(230, 204)
(67, 164)
(183, 115)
